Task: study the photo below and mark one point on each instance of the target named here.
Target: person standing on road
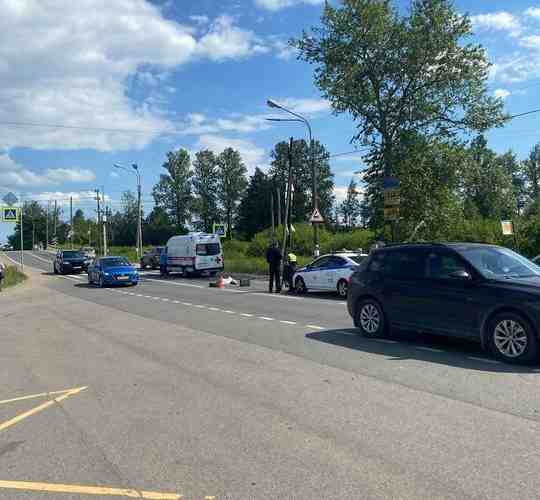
(163, 262)
(289, 269)
(273, 257)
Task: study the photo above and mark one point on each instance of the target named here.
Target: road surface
(240, 394)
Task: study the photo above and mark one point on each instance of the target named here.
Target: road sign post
(219, 229)
(392, 202)
(14, 214)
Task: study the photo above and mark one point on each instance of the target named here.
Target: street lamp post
(135, 167)
(315, 195)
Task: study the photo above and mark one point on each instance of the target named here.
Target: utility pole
(71, 220)
(98, 220)
(272, 214)
(22, 238)
(278, 207)
(55, 216)
(104, 220)
(47, 226)
(287, 205)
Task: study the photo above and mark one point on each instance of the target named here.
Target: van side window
(208, 249)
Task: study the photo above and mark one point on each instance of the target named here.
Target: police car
(329, 272)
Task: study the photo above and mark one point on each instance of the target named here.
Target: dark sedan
(108, 271)
(70, 261)
(482, 292)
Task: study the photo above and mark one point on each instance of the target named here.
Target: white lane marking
(13, 260)
(385, 341)
(187, 304)
(315, 327)
(175, 284)
(430, 349)
(139, 295)
(175, 301)
(229, 312)
(485, 360)
(48, 261)
(288, 322)
(155, 298)
(165, 299)
(200, 306)
(214, 309)
(265, 318)
(75, 276)
(246, 315)
(67, 278)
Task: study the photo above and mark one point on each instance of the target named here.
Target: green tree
(302, 177)
(122, 225)
(232, 184)
(254, 210)
(350, 208)
(173, 191)
(487, 186)
(205, 182)
(531, 174)
(396, 74)
(158, 227)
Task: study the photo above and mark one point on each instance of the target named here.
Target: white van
(194, 253)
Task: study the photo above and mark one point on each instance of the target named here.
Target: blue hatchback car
(112, 271)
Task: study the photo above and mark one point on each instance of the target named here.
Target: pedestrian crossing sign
(10, 214)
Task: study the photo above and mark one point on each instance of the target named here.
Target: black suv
(482, 292)
(151, 258)
(70, 261)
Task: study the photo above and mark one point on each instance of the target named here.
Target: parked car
(90, 252)
(150, 258)
(70, 261)
(330, 272)
(194, 253)
(107, 271)
(482, 292)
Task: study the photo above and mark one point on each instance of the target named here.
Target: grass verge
(13, 277)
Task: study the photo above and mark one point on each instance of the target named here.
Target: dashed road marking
(430, 349)
(163, 282)
(229, 312)
(200, 306)
(285, 322)
(187, 304)
(246, 315)
(266, 318)
(214, 309)
(485, 360)
(315, 327)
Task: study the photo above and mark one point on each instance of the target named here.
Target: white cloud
(198, 123)
(284, 51)
(200, 19)
(252, 155)
(305, 106)
(274, 5)
(226, 41)
(531, 41)
(533, 12)
(340, 192)
(501, 93)
(62, 198)
(15, 175)
(114, 174)
(497, 21)
(76, 72)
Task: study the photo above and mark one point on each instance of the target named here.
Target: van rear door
(208, 255)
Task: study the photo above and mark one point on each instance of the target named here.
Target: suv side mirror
(460, 274)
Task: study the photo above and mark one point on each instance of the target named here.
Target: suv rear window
(208, 249)
(400, 263)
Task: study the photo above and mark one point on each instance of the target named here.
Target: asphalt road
(240, 394)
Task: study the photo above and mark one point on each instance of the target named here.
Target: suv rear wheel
(369, 319)
(511, 338)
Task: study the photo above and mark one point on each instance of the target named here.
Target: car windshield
(72, 254)
(115, 261)
(357, 258)
(497, 262)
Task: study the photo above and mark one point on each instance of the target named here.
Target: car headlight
(106, 274)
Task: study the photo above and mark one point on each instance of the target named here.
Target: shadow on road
(409, 345)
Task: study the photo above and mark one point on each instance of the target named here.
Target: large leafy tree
(531, 175)
(232, 183)
(254, 212)
(397, 74)
(205, 182)
(122, 226)
(173, 191)
(302, 177)
(158, 227)
(350, 207)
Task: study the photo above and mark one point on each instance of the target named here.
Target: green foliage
(255, 208)
(13, 277)
(205, 183)
(173, 191)
(350, 207)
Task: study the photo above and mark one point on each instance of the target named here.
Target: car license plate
(122, 278)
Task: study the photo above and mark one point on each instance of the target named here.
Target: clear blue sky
(193, 75)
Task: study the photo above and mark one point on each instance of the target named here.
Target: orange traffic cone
(220, 283)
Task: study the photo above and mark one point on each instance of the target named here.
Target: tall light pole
(135, 168)
(315, 195)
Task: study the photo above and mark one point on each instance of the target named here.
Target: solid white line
(33, 254)
(485, 360)
(162, 282)
(430, 349)
(265, 318)
(13, 260)
(315, 327)
(288, 322)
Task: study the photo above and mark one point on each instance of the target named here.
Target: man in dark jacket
(273, 257)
